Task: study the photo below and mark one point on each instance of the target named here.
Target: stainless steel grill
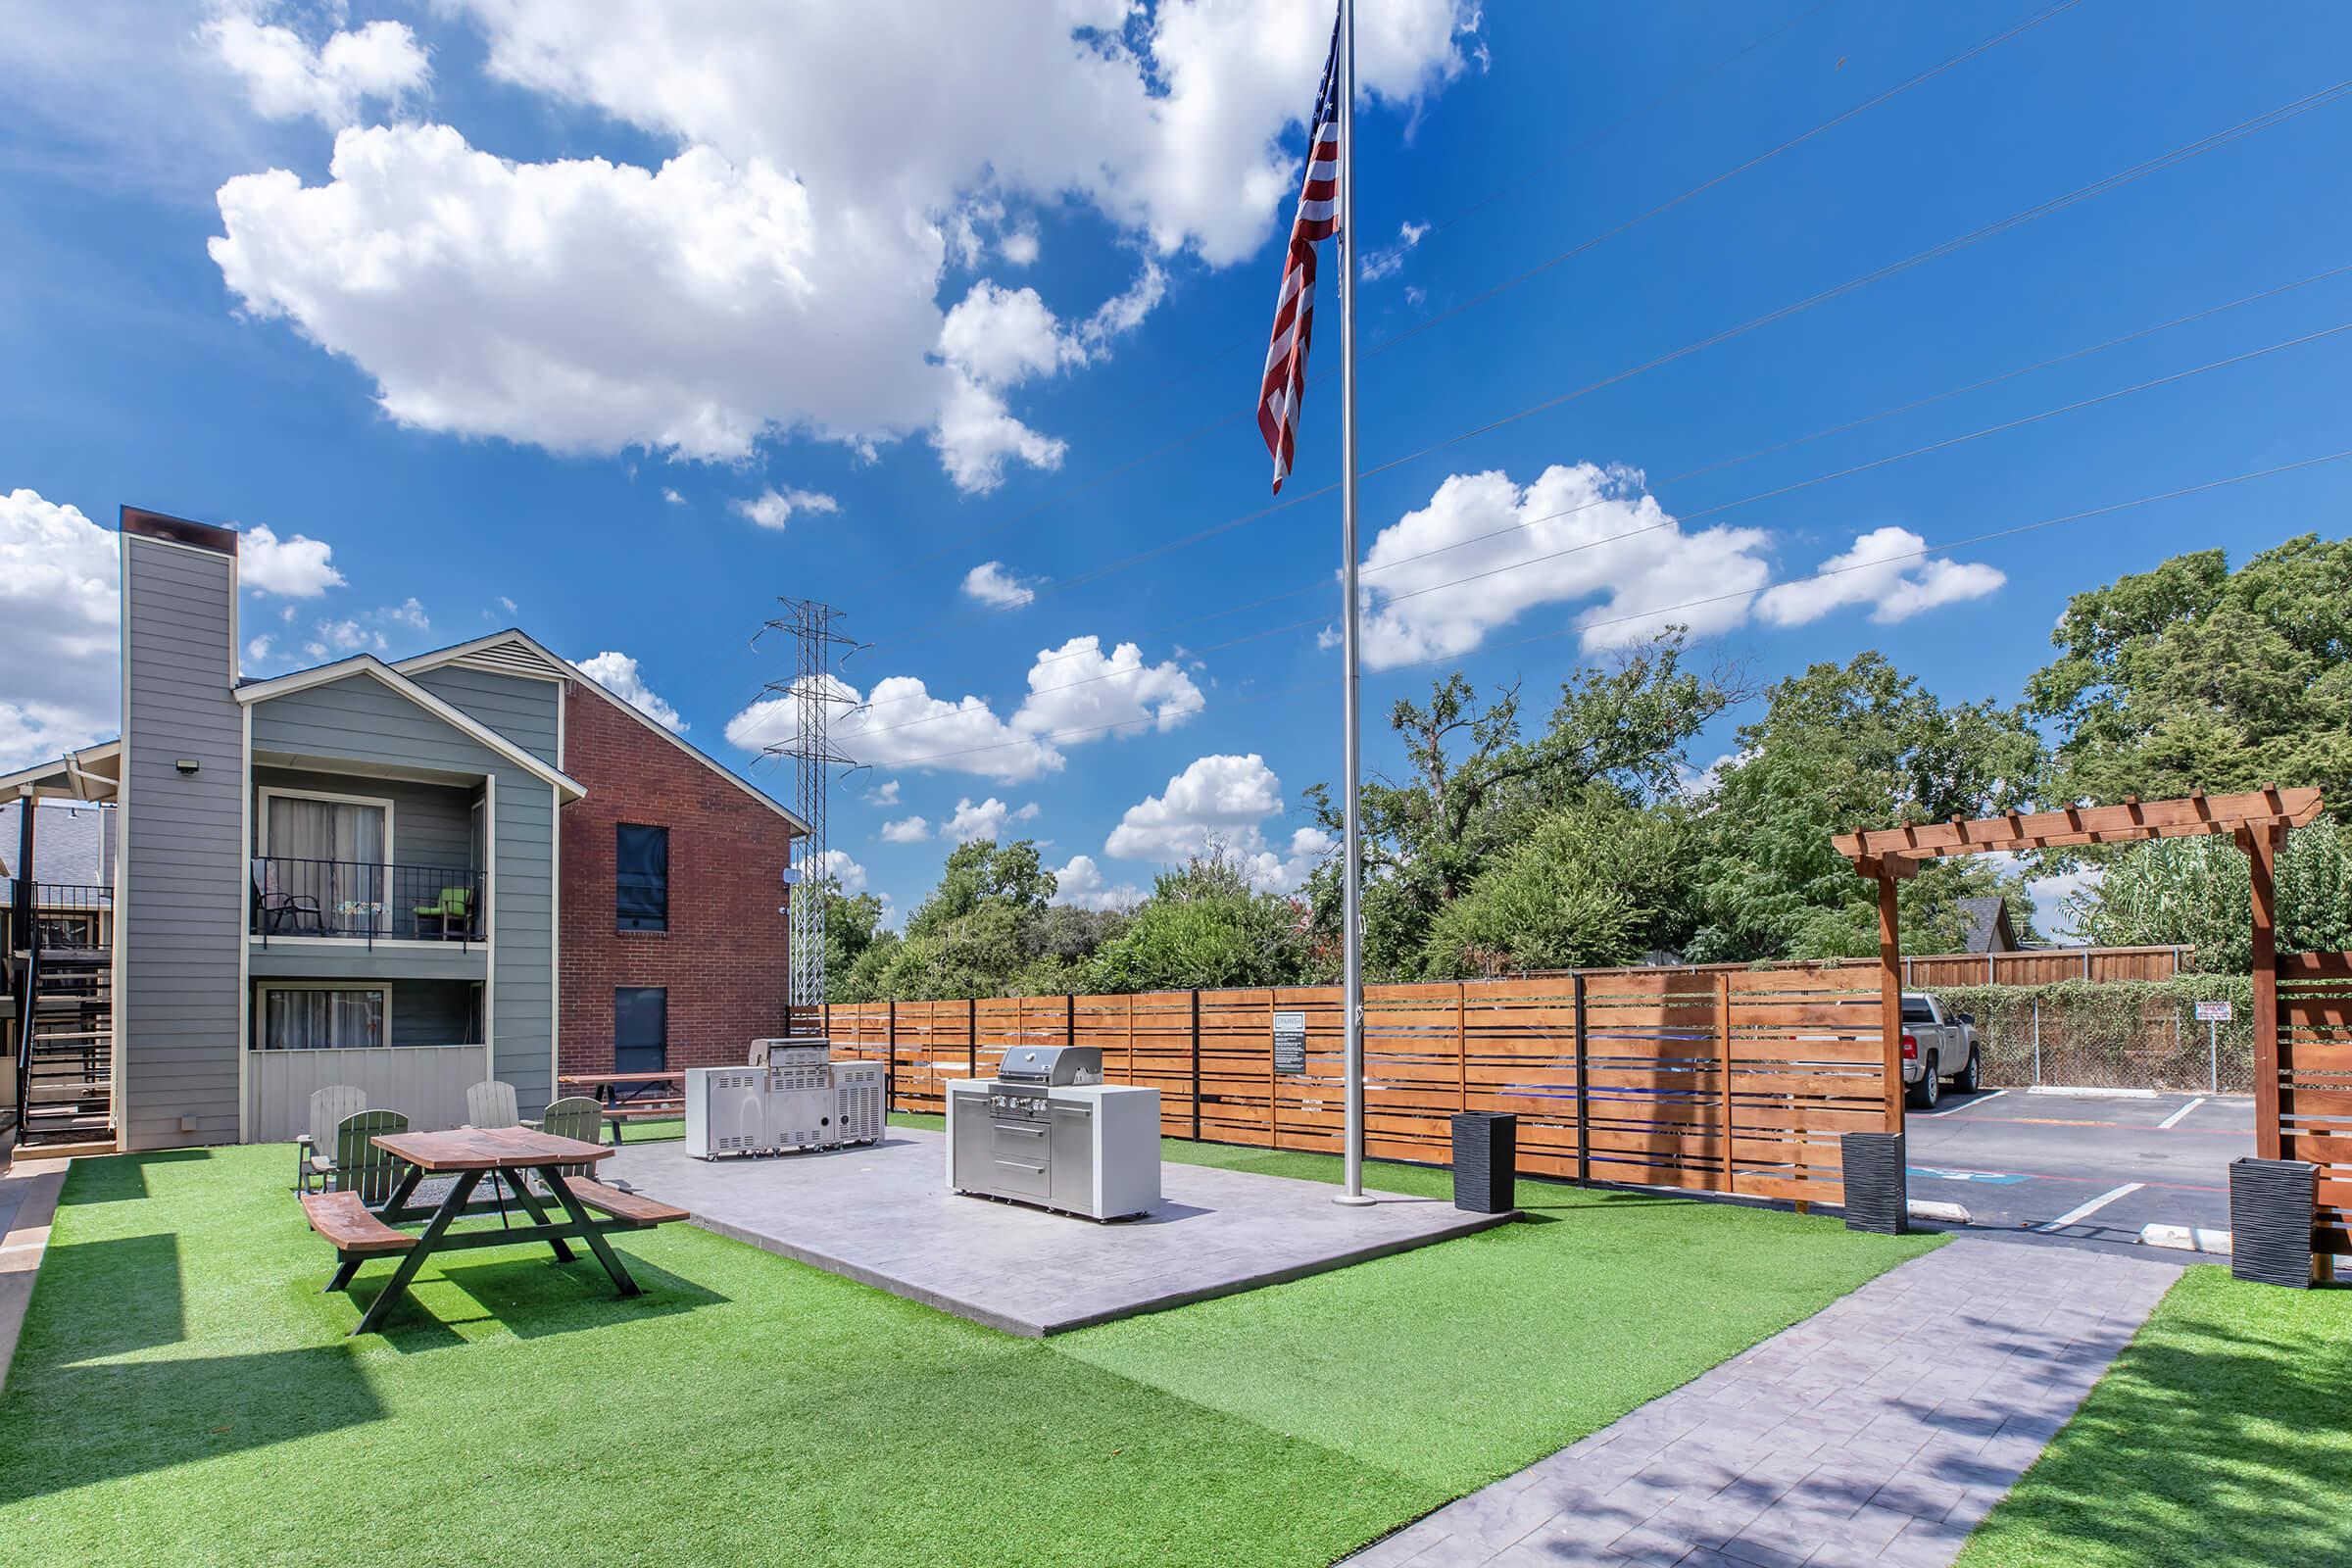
(1036, 1133)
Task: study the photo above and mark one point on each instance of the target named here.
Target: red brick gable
(725, 958)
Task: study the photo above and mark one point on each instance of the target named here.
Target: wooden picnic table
(612, 1089)
(505, 1155)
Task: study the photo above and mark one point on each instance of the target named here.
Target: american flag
(1285, 383)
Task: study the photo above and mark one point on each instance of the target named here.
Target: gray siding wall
(360, 719)
(182, 920)
(432, 824)
(356, 960)
(522, 710)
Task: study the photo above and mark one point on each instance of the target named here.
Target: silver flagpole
(1352, 962)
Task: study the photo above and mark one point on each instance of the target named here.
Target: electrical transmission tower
(813, 692)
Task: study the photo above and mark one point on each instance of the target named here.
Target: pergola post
(1890, 1001)
(2261, 844)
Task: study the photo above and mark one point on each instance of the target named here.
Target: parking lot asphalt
(2080, 1168)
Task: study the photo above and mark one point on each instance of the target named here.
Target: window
(640, 1029)
(323, 1019)
(640, 877)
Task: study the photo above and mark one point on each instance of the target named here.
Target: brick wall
(724, 958)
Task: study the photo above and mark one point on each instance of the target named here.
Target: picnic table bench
(632, 1096)
(504, 1154)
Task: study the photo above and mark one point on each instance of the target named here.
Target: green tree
(1839, 747)
(1590, 886)
(1205, 927)
(2200, 891)
(2191, 676)
(1475, 785)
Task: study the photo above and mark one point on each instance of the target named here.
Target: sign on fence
(1290, 1042)
(2213, 1013)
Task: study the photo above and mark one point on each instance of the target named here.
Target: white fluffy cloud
(59, 598)
(848, 873)
(286, 78)
(884, 793)
(1082, 883)
(617, 673)
(1390, 258)
(1579, 532)
(1226, 801)
(1077, 687)
(780, 272)
(294, 568)
(992, 585)
(1223, 797)
(1886, 571)
(773, 508)
(907, 830)
(985, 820)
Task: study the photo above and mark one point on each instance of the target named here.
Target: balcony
(366, 903)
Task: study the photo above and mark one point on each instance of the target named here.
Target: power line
(1178, 443)
(2097, 187)
(1655, 611)
(1679, 520)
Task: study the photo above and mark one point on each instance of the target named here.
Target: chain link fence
(2113, 1034)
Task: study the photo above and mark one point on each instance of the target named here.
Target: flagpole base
(1354, 1200)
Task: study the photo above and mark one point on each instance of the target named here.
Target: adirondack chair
(360, 1166)
(315, 1151)
(577, 1117)
(491, 1104)
(452, 912)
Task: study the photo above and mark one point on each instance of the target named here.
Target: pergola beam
(2132, 821)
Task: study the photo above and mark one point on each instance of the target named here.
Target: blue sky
(573, 306)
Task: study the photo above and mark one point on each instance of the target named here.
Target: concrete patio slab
(884, 1216)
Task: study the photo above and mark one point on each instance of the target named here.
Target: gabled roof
(88, 774)
(517, 652)
(367, 664)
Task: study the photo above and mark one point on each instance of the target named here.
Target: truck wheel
(1967, 1082)
(1928, 1088)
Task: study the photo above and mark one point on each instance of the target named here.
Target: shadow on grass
(531, 1298)
(2206, 1444)
(69, 1425)
(122, 1178)
(138, 1277)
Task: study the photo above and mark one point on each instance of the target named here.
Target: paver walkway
(1880, 1430)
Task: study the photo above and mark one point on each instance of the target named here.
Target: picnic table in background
(472, 1153)
(632, 1096)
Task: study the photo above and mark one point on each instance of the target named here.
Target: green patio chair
(328, 1108)
(453, 910)
(360, 1166)
(576, 1117)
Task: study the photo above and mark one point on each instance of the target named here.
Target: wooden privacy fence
(2315, 1084)
(1730, 1082)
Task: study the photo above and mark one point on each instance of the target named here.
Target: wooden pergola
(2257, 820)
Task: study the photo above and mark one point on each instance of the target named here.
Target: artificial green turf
(184, 1391)
(2221, 1436)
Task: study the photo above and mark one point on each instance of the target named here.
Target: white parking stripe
(1978, 1100)
(2178, 1115)
(2076, 1215)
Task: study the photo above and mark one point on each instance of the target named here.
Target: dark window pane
(640, 1029)
(640, 877)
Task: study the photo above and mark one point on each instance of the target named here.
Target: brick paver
(1878, 1431)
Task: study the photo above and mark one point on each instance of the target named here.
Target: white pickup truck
(1936, 1045)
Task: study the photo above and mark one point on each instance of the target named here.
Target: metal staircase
(64, 1003)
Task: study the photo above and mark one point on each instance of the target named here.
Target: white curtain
(322, 1020)
(326, 830)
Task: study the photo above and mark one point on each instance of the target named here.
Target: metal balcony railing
(362, 901)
